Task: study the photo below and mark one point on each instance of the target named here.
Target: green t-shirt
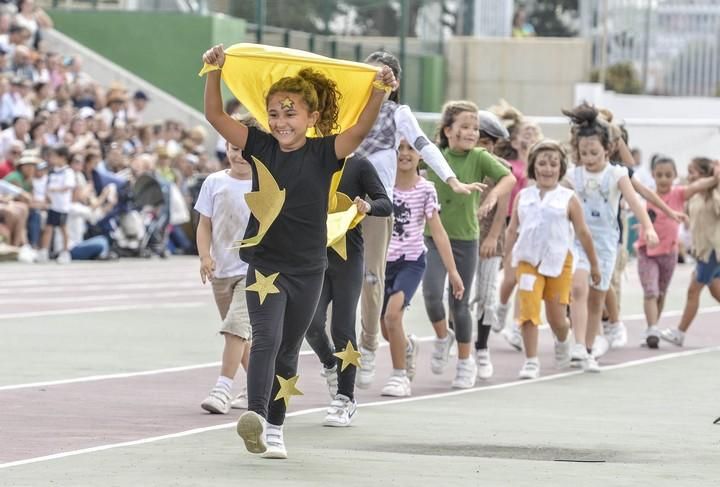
(17, 179)
(458, 212)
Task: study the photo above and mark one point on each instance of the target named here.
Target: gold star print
(348, 356)
(264, 285)
(287, 389)
(287, 103)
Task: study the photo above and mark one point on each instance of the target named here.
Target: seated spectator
(136, 109)
(23, 177)
(8, 162)
(15, 103)
(34, 19)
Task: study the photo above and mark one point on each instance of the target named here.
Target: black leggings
(342, 285)
(278, 329)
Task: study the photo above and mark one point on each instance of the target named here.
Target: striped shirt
(411, 208)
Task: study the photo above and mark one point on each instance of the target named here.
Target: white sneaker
(530, 370)
(251, 428)
(217, 402)
(578, 356)
(366, 372)
(591, 364)
(26, 254)
(502, 312)
(441, 354)
(652, 337)
(485, 368)
(562, 353)
(341, 411)
(397, 386)
(465, 374)
(513, 336)
(241, 400)
(600, 347)
(411, 357)
(42, 256)
(616, 333)
(64, 257)
(331, 377)
(275, 443)
(676, 337)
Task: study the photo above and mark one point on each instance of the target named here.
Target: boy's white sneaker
(466, 374)
(241, 400)
(275, 443)
(42, 256)
(397, 386)
(366, 371)
(26, 254)
(485, 368)
(578, 356)
(217, 402)
(529, 370)
(591, 364)
(331, 377)
(251, 428)
(676, 337)
(64, 257)
(441, 353)
(341, 411)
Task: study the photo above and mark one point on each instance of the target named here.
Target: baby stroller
(151, 200)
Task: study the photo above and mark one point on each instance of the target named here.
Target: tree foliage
(553, 18)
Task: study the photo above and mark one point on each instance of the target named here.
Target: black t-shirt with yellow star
(297, 239)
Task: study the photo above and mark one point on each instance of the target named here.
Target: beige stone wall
(537, 76)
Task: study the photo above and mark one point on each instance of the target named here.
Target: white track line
(99, 309)
(388, 402)
(107, 297)
(111, 286)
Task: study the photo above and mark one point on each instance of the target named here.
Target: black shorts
(56, 219)
(403, 275)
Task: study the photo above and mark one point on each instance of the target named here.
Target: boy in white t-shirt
(60, 186)
(224, 215)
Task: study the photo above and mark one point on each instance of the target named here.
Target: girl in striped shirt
(415, 202)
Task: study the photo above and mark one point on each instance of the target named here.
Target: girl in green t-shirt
(458, 134)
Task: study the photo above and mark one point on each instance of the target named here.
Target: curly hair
(546, 145)
(319, 93)
(450, 111)
(587, 121)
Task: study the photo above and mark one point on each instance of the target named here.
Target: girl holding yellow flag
(286, 238)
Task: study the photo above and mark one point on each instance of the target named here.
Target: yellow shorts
(533, 288)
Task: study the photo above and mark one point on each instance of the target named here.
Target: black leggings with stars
(278, 328)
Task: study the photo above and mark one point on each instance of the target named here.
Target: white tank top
(545, 233)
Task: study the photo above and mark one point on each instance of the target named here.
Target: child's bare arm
(232, 130)
(512, 230)
(653, 198)
(349, 140)
(639, 210)
(502, 187)
(489, 243)
(203, 240)
(699, 186)
(442, 242)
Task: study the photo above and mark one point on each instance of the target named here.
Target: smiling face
(548, 164)
(464, 132)
(289, 119)
(408, 158)
(239, 167)
(592, 153)
(664, 174)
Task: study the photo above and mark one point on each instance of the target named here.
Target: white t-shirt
(63, 179)
(222, 199)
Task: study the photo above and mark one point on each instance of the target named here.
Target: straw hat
(29, 156)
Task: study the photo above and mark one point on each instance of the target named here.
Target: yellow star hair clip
(264, 285)
(287, 103)
(287, 389)
(349, 356)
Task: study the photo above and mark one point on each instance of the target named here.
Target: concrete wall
(537, 75)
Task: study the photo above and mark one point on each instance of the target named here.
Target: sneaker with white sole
(441, 353)
(341, 411)
(42, 256)
(485, 368)
(600, 347)
(26, 254)
(64, 257)
(411, 355)
(251, 428)
(591, 364)
(513, 335)
(275, 443)
(562, 353)
(652, 337)
(676, 337)
(397, 386)
(502, 312)
(366, 371)
(529, 370)
(241, 400)
(465, 374)
(578, 356)
(331, 377)
(217, 402)
(616, 333)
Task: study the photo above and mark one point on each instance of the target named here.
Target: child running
(341, 287)
(286, 268)
(542, 239)
(224, 216)
(599, 185)
(415, 202)
(380, 147)
(704, 210)
(458, 134)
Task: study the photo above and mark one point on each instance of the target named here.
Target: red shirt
(6, 167)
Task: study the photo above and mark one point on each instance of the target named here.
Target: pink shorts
(655, 272)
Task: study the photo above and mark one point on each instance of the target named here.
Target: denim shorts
(403, 275)
(705, 272)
